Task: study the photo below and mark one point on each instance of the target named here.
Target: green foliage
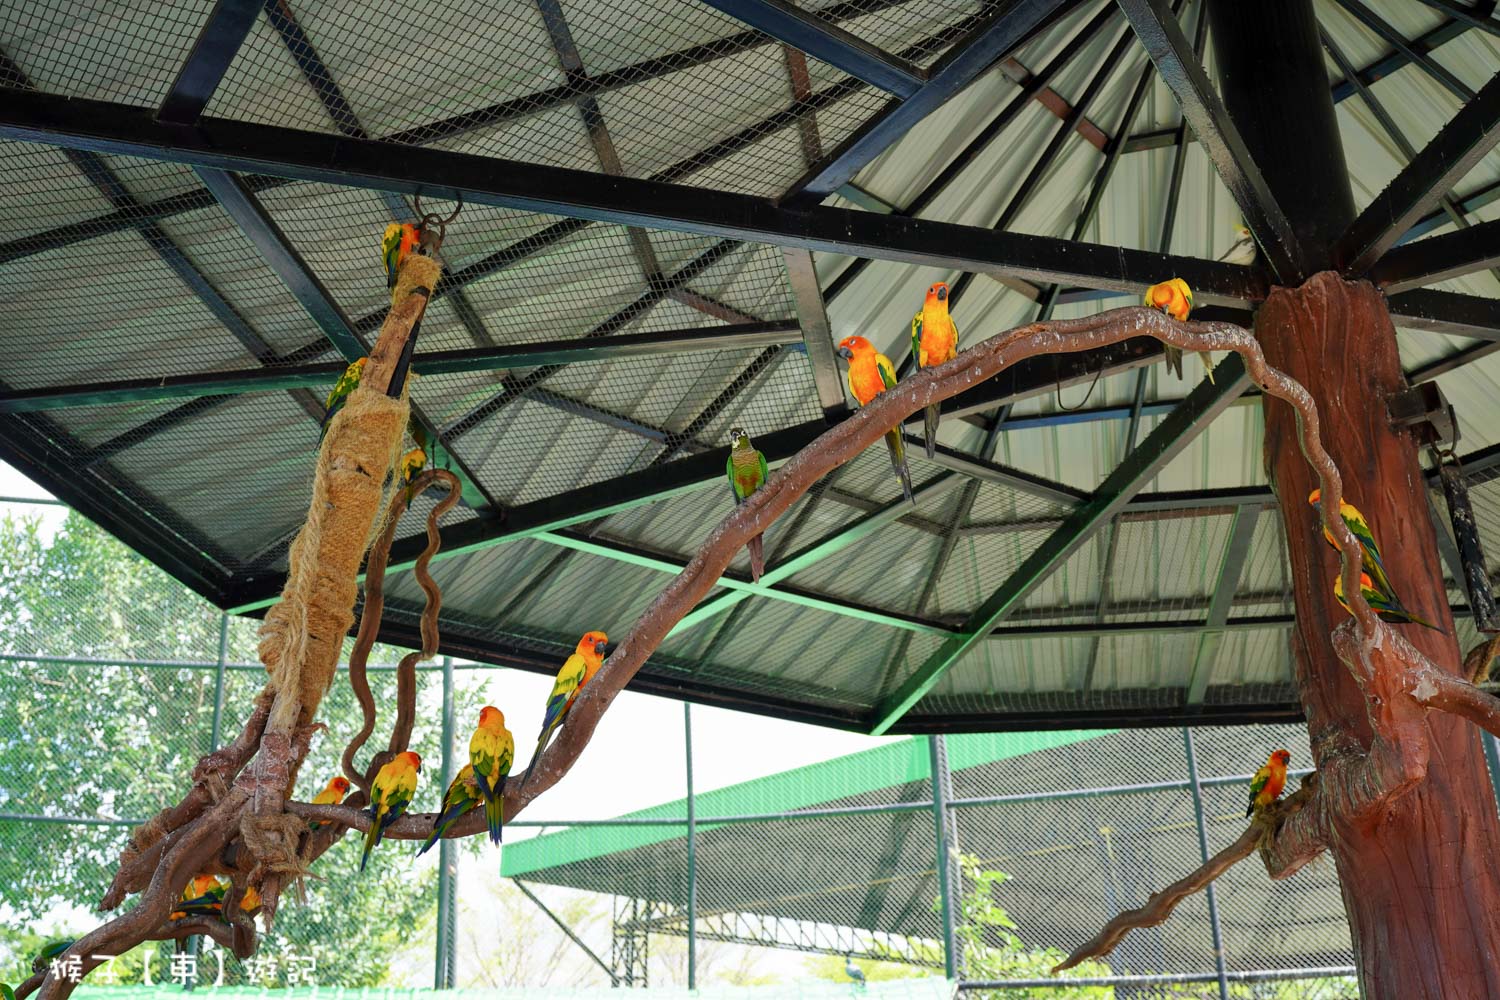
(992, 950)
(116, 741)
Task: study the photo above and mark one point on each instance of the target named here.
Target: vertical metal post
(692, 849)
(215, 730)
(444, 966)
(938, 754)
(1492, 758)
(1213, 902)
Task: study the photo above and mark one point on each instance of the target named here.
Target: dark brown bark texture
(1418, 876)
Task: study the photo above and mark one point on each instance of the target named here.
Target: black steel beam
(1447, 312)
(1394, 60)
(1438, 258)
(218, 41)
(1011, 24)
(1165, 442)
(1471, 16)
(242, 146)
(817, 331)
(822, 39)
(1205, 114)
(316, 375)
(1452, 153)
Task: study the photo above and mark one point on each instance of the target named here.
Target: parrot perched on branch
(577, 671)
(332, 794)
(391, 793)
(934, 340)
(1175, 298)
(43, 960)
(1370, 560)
(746, 468)
(870, 374)
(1385, 606)
(339, 394)
(462, 795)
(492, 750)
(1268, 782)
(203, 895)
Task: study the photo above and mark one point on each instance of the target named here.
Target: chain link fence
(117, 679)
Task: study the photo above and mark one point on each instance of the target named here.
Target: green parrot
(462, 795)
(339, 394)
(746, 468)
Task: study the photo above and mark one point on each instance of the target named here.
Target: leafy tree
(111, 743)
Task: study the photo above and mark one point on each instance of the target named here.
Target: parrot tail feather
(1208, 364)
(483, 783)
(757, 551)
(494, 812)
(930, 420)
(898, 462)
(432, 838)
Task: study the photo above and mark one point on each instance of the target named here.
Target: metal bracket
(1425, 411)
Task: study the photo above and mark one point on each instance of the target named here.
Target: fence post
(937, 751)
(215, 730)
(1191, 752)
(446, 958)
(692, 850)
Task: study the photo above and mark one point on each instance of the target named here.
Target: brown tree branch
(1161, 904)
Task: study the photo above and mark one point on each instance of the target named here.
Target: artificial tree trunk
(1418, 880)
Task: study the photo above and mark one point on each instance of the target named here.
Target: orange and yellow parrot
(870, 374)
(462, 795)
(747, 470)
(1175, 298)
(1268, 782)
(332, 794)
(250, 900)
(1385, 606)
(391, 793)
(1370, 560)
(400, 240)
(577, 671)
(203, 895)
(934, 340)
(339, 394)
(492, 750)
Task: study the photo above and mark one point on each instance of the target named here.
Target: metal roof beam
(1438, 258)
(831, 544)
(1182, 71)
(817, 331)
(1468, 15)
(1012, 23)
(320, 374)
(1231, 569)
(1423, 60)
(1447, 312)
(277, 251)
(822, 39)
(1451, 154)
(1164, 443)
(226, 29)
(243, 146)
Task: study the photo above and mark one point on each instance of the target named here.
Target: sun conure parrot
(746, 468)
(492, 751)
(1175, 298)
(6, 993)
(332, 794)
(43, 960)
(1385, 606)
(577, 671)
(870, 374)
(390, 794)
(1268, 782)
(1243, 251)
(462, 795)
(934, 340)
(204, 894)
(339, 394)
(410, 467)
(400, 240)
(1370, 560)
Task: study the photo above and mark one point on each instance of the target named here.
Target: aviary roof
(178, 291)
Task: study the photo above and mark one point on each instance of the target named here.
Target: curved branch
(406, 670)
(852, 436)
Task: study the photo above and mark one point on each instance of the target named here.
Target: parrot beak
(943, 294)
(846, 354)
(601, 647)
